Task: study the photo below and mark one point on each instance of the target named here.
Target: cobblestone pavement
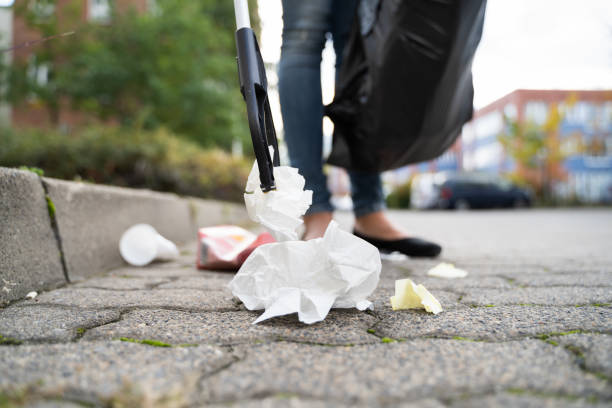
(531, 326)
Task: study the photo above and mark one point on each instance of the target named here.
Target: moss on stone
(8, 341)
(50, 207)
(148, 342)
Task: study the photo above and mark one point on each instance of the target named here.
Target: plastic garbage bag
(309, 277)
(405, 86)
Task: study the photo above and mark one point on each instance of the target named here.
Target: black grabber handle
(254, 86)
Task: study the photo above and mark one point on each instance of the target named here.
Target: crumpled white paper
(309, 277)
(278, 210)
(447, 271)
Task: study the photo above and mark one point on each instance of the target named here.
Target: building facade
(18, 33)
(584, 136)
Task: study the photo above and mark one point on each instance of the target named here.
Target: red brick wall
(31, 113)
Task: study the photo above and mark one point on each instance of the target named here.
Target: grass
(547, 336)
(35, 170)
(50, 207)
(462, 338)
(8, 341)
(388, 340)
(371, 331)
(148, 342)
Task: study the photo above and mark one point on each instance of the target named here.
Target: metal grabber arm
(254, 89)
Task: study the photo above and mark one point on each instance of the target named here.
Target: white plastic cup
(141, 244)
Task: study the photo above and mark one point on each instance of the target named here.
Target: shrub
(400, 196)
(156, 159)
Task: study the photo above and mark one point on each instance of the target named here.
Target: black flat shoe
(414, 247)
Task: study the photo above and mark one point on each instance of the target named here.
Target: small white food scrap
(447, 271)
(411, 296)
(31, 295)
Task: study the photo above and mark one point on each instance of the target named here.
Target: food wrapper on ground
(278, 210)
(411, 296)
(227, 246)
(447, 271)
(309, 277)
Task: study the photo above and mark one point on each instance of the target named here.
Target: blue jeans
(305, 26)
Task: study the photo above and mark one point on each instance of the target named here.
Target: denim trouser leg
(305, 25)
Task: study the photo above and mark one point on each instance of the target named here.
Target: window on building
(510, 111)
(43, 9)
(38, 72)
(580, 113)
(153, 7)
(536, 111)
(99, 11)
(488, 125)
(605, 116)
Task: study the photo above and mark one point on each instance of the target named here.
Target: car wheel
(519, 203)
(462, 205)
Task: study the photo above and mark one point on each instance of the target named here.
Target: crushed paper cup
(447, 271)
(309, 277)
(411, 296)
(227, 246)
(278, 210)
(141, 244)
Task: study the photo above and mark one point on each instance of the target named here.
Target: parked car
(466, 190)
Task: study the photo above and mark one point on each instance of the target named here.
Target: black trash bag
(405, 86)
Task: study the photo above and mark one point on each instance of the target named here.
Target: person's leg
(305, 24)
(366, 188)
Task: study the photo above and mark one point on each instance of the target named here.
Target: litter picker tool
(254, 89)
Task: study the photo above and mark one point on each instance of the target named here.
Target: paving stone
(116, 371)
(48, 323)
(202, 283)
(405, 371)
(596, 348)
(558, 295)
(176, 327)
(29, 254)
(53, 404)
(380, 299)
(120, 283)
(297, 402)
(493, 323)
(459, 284)
(92, 218)
(566, 279)
(157, 271)
(188, 299)
(504, 400)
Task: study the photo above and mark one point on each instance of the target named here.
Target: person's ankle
(316, 224)
(377, 225)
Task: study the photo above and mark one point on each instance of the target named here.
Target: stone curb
(79, 236)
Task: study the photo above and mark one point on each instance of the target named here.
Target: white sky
(526, 44)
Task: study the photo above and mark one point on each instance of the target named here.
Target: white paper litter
(31, 295)
(309, 277)
(447, 271)
(278, 210)
(303, 277)
(411, 296)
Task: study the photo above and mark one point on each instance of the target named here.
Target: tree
(174, 67)
(536, 151)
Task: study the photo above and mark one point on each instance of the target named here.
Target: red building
(32, 113)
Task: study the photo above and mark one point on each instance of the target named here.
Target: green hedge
(400, 196)
(132, 158)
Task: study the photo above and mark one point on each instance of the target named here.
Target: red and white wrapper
(227, 246)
